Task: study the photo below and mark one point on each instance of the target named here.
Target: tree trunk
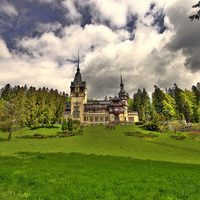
(9, 137)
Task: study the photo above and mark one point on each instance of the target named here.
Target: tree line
(171, 104)
(34, 107)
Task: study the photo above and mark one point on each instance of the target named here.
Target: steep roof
(122, 91)
(78, 78)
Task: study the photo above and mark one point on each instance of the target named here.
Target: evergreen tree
(70, 125)
(21, 105)
(7, 93)
(64, 125)
(157, 99)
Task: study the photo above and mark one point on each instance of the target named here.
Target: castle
(114, 110)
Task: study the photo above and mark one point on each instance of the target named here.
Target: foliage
(76, 122)
(82, 126)
(36, 107)
(130, 104)
(10, 118)
(75, 126)
(70, 124)
(141, 135)
(195, 16)
(157, 123)
(138, 123)
(193, 134)
(178, 137)
(64, 125)
(110, 126)
(141, 104)
(177, 126)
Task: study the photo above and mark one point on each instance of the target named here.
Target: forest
(33, 107)
(172, 104)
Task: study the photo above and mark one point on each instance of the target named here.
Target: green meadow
(100, 164)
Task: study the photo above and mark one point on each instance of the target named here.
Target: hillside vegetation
(100, 164)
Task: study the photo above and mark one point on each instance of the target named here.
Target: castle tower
(78, 96)
(123, 96)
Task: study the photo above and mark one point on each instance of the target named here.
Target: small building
(114, 110)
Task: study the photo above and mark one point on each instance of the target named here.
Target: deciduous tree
(10, 118)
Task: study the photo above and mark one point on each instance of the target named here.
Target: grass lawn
(100, 164)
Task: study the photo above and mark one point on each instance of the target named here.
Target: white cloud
(72, 13)
(4, 52)
(8, 9)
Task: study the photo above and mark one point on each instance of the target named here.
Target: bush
(76, 122)
(70, 125)
(193, 134)
(64, 125)
(80, 132)
(82, 126)
(75, 126)
(138, 123)
(177, 137)
(141, 135)
(37, 134)
(152, 126)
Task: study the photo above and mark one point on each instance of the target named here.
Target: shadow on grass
(3, 139)
(48, 127)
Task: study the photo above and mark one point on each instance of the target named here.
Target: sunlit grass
(100, 164)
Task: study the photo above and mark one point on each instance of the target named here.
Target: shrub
(193, 134)
(65, 131)
(177, 137)
(141, 135)
(75, 126)
(37, 134)
(107, 126)
(80, 132)
(70, 125)
(82, 126)
(152, 126)
(64, 125)
(138, 123)
(76, 122)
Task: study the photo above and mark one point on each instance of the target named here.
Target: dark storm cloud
(186, 38)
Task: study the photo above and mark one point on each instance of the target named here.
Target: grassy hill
(100, 164)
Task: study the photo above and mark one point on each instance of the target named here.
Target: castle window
(106, 119)
(76, 95)
(116, 109)
(122, 109)
(96, 119)
(111, 110)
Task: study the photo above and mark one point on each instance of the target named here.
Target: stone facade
(114, 110)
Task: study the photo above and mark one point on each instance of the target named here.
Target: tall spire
(121, 83)
(78, 69)
(122, 93)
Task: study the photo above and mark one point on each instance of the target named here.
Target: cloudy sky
(150, 42)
